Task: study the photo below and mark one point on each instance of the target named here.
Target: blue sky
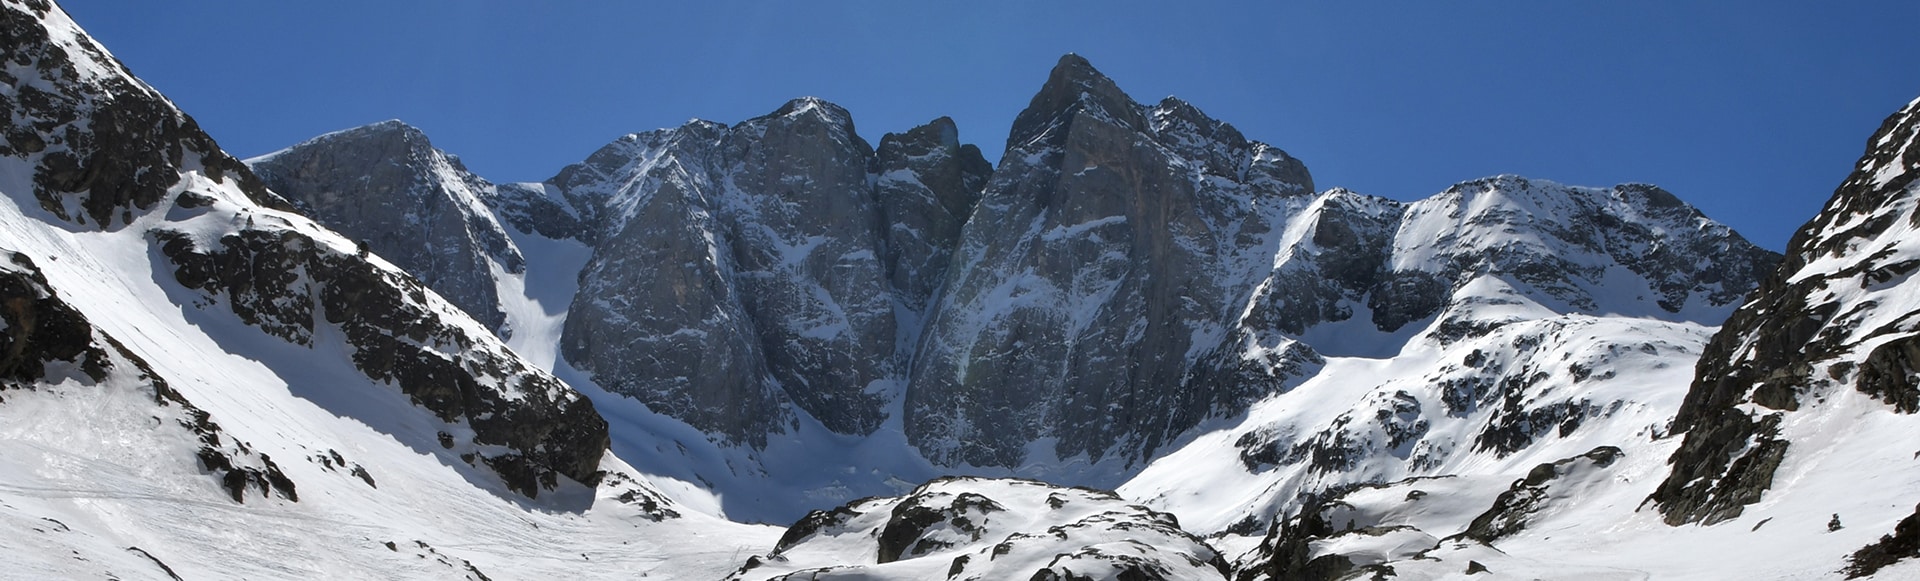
(1753, 111)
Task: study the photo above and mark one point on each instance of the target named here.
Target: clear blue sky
(1753, 111)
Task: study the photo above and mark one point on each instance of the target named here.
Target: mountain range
(1142, 346)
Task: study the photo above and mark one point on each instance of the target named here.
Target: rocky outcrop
(1816, 324)
(386, 186)
(289, 284)
(969, 528)
(1903, 543)
(1509, 513)
(1415, 527)
(105, 147)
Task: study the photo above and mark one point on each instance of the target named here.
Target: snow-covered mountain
(1790, 457)
(198, 382)
(1128, 275)
(355, 358)
(386, 186)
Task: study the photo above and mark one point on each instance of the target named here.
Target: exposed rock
(104, 146)
(927, 184)
(1814, 325)
(287, 283)
(385, 185)
(1528, 495)
(45, 341)
(742, 273)
(1903, 543)
(1099, 254)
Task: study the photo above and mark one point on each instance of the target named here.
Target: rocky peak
(89, 128)
(1073, 88)
(385, 185)
(1100, 240)
(776, 241)
(927, 184)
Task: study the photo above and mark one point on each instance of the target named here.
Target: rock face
(110, 156)
(1835, 315)
(385, 185)
(1105, 259)
(928, 184)
(968, 528)
(1132, 271)
(740, 269)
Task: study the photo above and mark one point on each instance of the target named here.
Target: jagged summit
(1073, 88)
(386, 185)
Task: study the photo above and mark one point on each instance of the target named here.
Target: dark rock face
(1099, 251)
(1800, 334)
(739, 270)
(40, 328)
(103, 147)
(1288, 552)
(657, 317)
(276, 279)
(537, 208)
(43, 339)
(928, 184)
(385, 185)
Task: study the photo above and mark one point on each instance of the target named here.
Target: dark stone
(814, 522)
(1903, 543)
(751, 267)
(1890, 375)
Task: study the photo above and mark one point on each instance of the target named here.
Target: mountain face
(1104, 259)
(1127, 274)
(1836, 323)
(1785, 459)
(386, 186)
(742, 273)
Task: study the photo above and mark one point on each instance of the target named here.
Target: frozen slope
(1790, 457)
